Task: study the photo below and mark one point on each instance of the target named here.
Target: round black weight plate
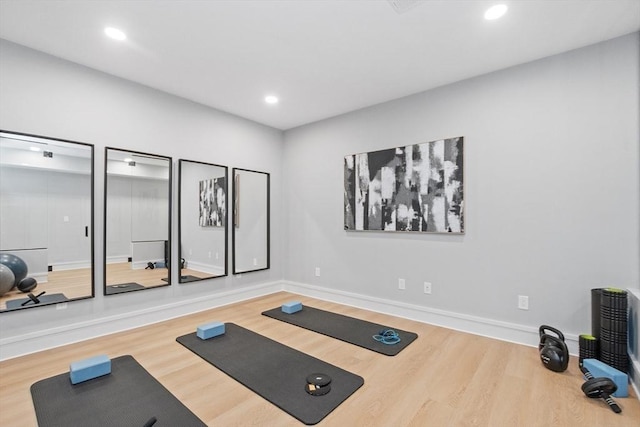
(595, 387)
(320, 380)
(315, 390)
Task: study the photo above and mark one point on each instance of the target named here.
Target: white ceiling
(322, 58)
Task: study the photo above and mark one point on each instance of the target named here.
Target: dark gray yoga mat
(354, 331)
(124, 287)
(44, 299)
(128, 396)
(274, 371)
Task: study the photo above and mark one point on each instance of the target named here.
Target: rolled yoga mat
(274, 371)
(354, 331)
(128, 396)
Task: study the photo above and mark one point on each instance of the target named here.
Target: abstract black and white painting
(212, 202)
(414, 188)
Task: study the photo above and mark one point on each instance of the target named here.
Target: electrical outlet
(317, 271)
(523, 302)
(401, 284)
(209, 254)
(217, 255)
(61, 306)
(427, 287)
(255, 261)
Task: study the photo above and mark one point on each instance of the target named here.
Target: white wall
(47, 96)
(552, 193)
(49, 209)
(551, 175)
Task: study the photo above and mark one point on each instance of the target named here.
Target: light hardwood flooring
(444, 378)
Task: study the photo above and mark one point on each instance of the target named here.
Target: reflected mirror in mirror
(46, 221)
(202, 221)
(137, 221)
(250, 220)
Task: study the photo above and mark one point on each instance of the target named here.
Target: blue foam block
(88, 369)
(600, 369)
(210, 330)
(291, 307)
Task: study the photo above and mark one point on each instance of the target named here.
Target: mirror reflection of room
(46, 205)
(203, 220)
(137, 221)
(250, 221)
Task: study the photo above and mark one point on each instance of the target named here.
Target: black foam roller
(596, 299)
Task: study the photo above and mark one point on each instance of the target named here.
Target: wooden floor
(444, 378)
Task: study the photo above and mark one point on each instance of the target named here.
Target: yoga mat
(44, 299)
(128, 396)
(274, 371)
(188, 278)
(354, 331)
(123, 287)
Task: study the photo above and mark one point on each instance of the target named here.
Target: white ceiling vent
(402, 6)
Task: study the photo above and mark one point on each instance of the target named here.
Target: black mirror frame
(233, 220)
(92, 234)
(170, 204)
(226, 221)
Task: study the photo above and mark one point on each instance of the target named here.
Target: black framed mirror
(251, 221)
(202, 220)
(137, 221)
(46, 221)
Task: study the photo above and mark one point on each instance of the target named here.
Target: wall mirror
(46, 221)
(137, 223)
(250, 220)
(202, 210)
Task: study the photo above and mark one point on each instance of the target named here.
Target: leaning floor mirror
(250, 233)
(46, 221)
(202, 210)
(137, 221)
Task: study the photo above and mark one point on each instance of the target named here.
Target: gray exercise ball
(7, 279)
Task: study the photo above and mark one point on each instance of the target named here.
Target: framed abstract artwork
(212, 202)
(416, 188)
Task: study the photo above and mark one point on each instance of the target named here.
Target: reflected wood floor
(77, 283)
(444, 378)
(72, 283)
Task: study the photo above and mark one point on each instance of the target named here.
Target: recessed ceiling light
(495, 12)
(34, 148)
(127, 160)
(271, 99)
(115, 33)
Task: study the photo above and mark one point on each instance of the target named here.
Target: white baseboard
(117, 259)
(54, 337)
(205, 268)
(505, 331)
(48, 338)
(71, 265)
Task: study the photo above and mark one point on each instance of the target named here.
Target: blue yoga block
(210, 330)
(600, 369)
(292, 307)
(88, 369)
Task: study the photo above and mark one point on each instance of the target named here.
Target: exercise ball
(17, 266)
(27, 284)
(7, 279)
